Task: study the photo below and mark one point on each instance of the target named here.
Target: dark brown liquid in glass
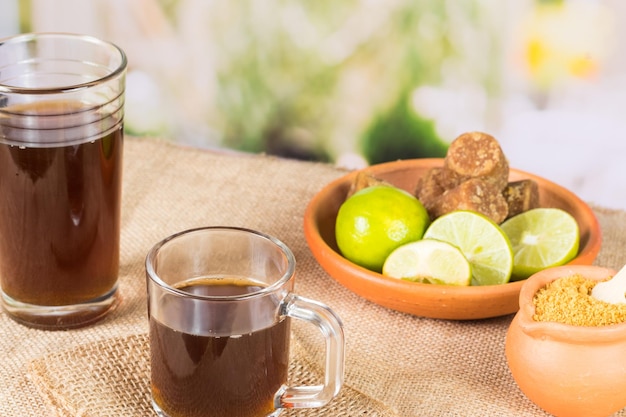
(60, 219)
(203, 376)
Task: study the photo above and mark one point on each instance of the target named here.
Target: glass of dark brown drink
(61, 139)
(220, 302)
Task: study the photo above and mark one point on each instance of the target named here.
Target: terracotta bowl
(569, 371)
(435, 301)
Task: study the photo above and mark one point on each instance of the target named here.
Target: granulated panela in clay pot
(566, 369)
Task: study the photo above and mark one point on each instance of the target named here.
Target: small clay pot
(567, 370)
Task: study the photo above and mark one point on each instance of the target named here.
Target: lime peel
(376, 220)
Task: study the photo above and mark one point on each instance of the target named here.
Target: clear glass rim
(27, 37)
(287, 275)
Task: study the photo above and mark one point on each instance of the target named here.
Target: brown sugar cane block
(478, 155)
(521, 196)
(364, 179)
(434, 183)
(476, 195)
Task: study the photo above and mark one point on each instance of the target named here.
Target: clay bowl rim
(406, 296)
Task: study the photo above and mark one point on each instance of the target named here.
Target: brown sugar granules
(568, 300)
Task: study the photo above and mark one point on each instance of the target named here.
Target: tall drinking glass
(61, 139)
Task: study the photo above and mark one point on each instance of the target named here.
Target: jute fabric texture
(111, 378)
(396, 364)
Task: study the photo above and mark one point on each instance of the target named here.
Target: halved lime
(429, 261)
(484, 244)
(541, 238)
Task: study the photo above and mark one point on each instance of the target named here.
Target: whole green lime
(376, 220)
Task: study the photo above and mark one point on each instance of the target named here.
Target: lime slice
(484, 244)
(429, 261)
(541, 238)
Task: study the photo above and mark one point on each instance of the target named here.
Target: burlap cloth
(396, 364)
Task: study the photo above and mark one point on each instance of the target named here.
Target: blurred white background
(545, 77)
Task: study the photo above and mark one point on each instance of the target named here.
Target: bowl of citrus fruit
(447, 238)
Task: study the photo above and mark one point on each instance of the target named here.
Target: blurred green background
(359, 82)
(309, 80)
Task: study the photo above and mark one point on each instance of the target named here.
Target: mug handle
(329, 324)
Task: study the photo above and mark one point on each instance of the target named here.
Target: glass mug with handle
(220, 303)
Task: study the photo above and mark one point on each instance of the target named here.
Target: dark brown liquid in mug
(202, 376)
(59, 219)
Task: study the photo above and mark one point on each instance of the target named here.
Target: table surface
(396, 364)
